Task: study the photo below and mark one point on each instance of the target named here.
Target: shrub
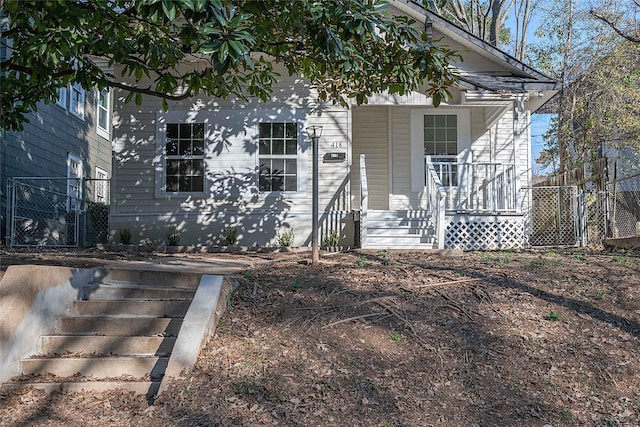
(125, 236)
(173, 235)
(285, 238)
(331, 240)
(230, 234)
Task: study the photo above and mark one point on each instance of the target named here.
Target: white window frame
(76, 100)
(101, 186)
(74, 182)
(62, 97)
(417, 140)
(295, 156)
(103, 131)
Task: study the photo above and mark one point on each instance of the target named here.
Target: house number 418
(339, 144)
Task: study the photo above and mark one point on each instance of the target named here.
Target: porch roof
(505, 83)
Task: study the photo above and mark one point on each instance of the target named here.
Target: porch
(471, 206)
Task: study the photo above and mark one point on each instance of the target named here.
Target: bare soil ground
(389, 338)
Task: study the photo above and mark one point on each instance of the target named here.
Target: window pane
(440, 121)
(172, 167)
(277, 183)
(264, 184)
(430, 149)
(292, 147)
(278, 130)
(172, 183)
(185, 147)
(441, 149)
(277, 166)
(429, 135)
(291, 166)
(102, 118)
(198, 131)
(452, 135)
(264, 146)
(291, 183)
(292, 130)
(185, 183)
(265, 167)
(452, 120)
(172, 131)
(184, 131)
(428, 121)
(264, 130)
(197, 183)
(197, 167)
(278, 146)
(198, 147)
(441, 135)
(452, 149)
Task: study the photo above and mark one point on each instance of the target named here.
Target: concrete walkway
(217, 266)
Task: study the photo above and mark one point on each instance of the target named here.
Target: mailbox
(334, 157)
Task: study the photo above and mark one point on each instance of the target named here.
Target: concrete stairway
(399, 230)
(119, 335)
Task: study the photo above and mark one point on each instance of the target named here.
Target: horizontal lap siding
(402, 197)
(370, 137)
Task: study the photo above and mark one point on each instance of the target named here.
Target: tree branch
(621, 33)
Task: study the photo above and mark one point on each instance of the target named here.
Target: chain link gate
(57, 212)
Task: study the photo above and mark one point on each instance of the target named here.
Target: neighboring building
(68, 142)
(454, 176)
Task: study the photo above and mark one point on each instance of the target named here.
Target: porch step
(106, 345)
(97, 367)
(119, 326)
(111, 291)
(126, 307)
(399, 230)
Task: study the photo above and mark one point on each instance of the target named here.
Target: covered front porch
(470, 206)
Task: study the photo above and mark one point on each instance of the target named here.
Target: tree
(484, 19)
(347, 49)
(622, 17)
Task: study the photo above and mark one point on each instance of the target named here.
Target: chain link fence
(57, 212)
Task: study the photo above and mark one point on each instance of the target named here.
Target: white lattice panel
(485, 234)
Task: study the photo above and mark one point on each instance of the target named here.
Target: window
(278, 157)
(441, 143)
(74, 182)
(62, 97)
(101, 186)
(103, 114)
(184, 157)
(76, 101)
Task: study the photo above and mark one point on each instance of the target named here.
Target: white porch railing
(436, 200)
(477, 187)
(364, 202)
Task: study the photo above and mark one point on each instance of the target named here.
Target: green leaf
(169, 9)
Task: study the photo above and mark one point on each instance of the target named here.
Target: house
(50, 171)
(395, 173)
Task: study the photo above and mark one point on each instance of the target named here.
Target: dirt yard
(378, 338)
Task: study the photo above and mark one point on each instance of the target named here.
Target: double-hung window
(184, 158)
(76, 100)
(102, 108)
(278, 157)
(441, 143)
(62, 97)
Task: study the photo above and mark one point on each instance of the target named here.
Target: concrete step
(400, 214)
(149, 388)
(151, 308)
(105, 291)
(97, 367)
(161, 278)
(106, 345)
(120, 326)
(396, 231)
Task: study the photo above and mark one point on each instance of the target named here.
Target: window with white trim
(441, 143)
(102, 109)
(74, 182)
(184, 158)
(278, 157)
(101, 186)
(62, 97)
(76, 100)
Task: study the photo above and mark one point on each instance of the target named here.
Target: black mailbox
(334, 157)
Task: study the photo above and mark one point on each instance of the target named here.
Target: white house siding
(371, 138)
(231, 198)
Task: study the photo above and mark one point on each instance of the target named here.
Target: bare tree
(622, 17)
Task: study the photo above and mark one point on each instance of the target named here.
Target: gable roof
(509, 75)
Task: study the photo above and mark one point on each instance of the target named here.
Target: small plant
(580, 257)
(285, 238)
(395, 336)
(295, 286)
(331, 240)
(362, 262)
(601, 295)
(173, 235)
(247, 275)
(622, 259)
(125, 236)
(230, 234)
(384, 258)
(553, 316)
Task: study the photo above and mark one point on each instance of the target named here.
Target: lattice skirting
(485, 234)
